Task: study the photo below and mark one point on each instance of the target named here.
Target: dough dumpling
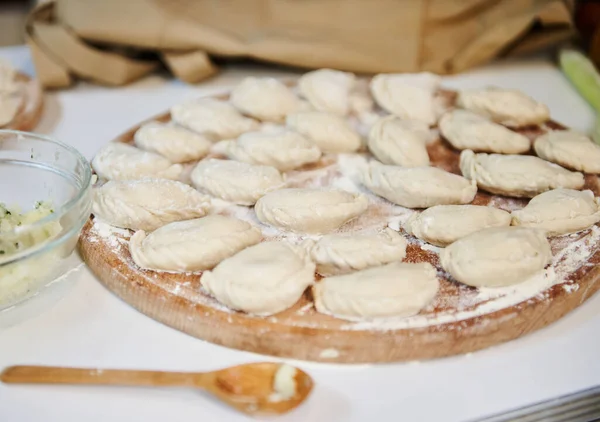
(505, 106)
(344, 253)
(331, 133)
(570, 149)
(560, 211)
(192, 245)
(264, 99)
(444, 224)
(215, 118)
(309, 210)
(327, 90)
(393, 290)
(418, 187)
(263, 279)
(399, 142)
(119, 161)
(497, 257)
(175, 143)
(233, 181)
(147, 204)
(285, 150)
(516, 175)
(464, 129)
(407, 95)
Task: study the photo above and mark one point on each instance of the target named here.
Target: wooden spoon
(249, 388)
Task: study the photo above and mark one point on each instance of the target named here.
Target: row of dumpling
(173, 233)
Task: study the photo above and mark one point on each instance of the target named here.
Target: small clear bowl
(37, 168)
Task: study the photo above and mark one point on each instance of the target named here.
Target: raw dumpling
(344, 253)
(285, 150)
(11, 99)
(444, 224)
(233, 181)
(516, 175)
(467, 130)
(264, 99)
(407, 95)
(327, 90)
(570, 149)
(331, 133)
(393, 290)
(399, 142)
(263, 279)
(560, 211)
(505, 106)
(211, 117)
(175, 143)
(497, 257)
(309, 210)
(147, 204)
(192, 245)
(418, 187)
(119, 161)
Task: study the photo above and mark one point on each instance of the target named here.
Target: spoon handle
(60, 375)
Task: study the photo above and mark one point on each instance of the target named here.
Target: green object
(583, 75)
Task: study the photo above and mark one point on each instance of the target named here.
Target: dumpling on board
(211, 117)
(330, 132)
(521, 176)
(254, 282)
(392, 290)
(309, 210)
(119, 161)
(417, 187)
(399, 142)
(442, 225)
(343, 253)
(192, 245)
(328, 90)
(407, 95)
(264, 99)
(560, 211)
(234, 181)
(147, 204)
(175, 143)
(509, 107)
(284, 150)
(570, 149)
(11, 97)
(497, 257)
(464, 129)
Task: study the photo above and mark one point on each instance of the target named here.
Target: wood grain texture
(302, 333)
(30, 112)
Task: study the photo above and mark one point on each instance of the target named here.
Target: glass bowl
(35, 250)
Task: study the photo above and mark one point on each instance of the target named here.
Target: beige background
(12, 19)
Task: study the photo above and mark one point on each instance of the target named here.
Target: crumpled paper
(114, 42)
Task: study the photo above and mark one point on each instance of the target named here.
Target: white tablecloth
(81, 323)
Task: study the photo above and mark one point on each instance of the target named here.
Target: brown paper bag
(114, 42)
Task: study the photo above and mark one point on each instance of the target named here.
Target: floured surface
(495, 314)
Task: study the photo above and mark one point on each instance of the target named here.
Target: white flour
(454, 303)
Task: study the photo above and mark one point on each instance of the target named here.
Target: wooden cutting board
(460, 320)
(30, 111)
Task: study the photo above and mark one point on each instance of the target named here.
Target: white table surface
(80, 323)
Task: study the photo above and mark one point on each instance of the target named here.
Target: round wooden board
(301, 333)
(30, 112)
